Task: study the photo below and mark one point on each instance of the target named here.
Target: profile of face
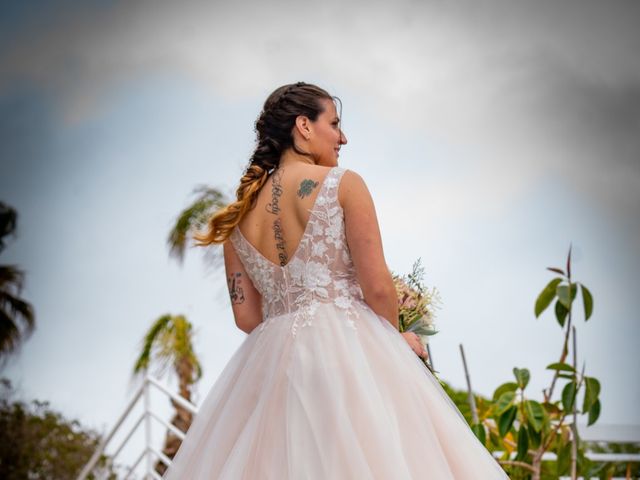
(322, 137)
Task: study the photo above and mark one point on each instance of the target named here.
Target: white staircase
(149, 452)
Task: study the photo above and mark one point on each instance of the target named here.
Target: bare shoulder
(352, 188)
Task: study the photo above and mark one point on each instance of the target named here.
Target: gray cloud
(550, 85)
(593, 122)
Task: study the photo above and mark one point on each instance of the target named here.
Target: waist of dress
(307, 306)
(305, 315)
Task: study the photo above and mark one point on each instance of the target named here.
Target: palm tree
(17, 318)
(170, 335)
(195, 216)
(169, 343)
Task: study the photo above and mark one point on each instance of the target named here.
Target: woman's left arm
(246, 301)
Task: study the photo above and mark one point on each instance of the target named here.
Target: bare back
(278, 221)
(292, 212)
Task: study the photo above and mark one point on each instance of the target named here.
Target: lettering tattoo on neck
(235, 288)
(276, 191)
(306, 186)
(274, 208)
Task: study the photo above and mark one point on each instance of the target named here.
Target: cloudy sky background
(492, 135)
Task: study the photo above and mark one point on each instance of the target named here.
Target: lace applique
(320, 271)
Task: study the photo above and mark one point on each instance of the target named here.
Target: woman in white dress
(324, 386)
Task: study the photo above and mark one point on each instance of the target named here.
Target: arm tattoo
(305, 187)
(235, 288)
(274, 207)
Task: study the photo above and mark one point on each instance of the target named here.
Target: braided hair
(274, 128)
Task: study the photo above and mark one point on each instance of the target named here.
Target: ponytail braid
(274, 135)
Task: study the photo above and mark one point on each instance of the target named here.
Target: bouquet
(417, 305)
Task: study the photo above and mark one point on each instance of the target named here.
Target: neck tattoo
(274, 208)
(276, 191)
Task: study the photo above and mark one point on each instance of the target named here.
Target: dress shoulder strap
(333, 183)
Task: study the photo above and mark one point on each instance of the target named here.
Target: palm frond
(184, 346)
(207, 201)
(17, 316)
(168, 343)
(11, 277)
(148, 343)
(8, 222)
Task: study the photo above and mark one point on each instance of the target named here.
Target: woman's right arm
(365, 245)
(246, 301)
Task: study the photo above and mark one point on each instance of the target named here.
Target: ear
(303, 125)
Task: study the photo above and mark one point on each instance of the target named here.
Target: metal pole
(96, 455)
(147, 425)
(574, 425)
(430, 356)
(472, 401)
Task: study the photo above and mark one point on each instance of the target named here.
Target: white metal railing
(147, 415)
(603, 433)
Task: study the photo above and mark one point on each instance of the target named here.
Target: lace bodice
(319, 271)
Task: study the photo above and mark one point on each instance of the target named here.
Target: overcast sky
(492, 135)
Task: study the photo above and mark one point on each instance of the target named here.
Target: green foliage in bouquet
(416, 305)
(518, 424)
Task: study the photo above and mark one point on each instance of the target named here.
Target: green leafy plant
(516, 423)
(39, 442)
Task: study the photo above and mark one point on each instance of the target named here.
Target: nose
(343, 139)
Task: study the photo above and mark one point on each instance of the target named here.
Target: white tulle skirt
(332, 402)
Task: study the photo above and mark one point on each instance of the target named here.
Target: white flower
(316, 228)
(341, 285)
(335, 228)
(333, 232)
(316, 277)
(296, 268)
(342, 301)
(331, 182)
(355, 290)
(332, 214)
(312, 307)
(318, 249)
(317, 274)
(321, 200)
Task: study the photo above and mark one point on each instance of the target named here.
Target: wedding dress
(324, 388)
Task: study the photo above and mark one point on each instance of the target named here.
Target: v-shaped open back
(320, 269)
(305, 232)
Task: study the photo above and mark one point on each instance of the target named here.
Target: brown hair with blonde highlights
(274, 129)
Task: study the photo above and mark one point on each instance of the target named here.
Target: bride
(324, 386)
